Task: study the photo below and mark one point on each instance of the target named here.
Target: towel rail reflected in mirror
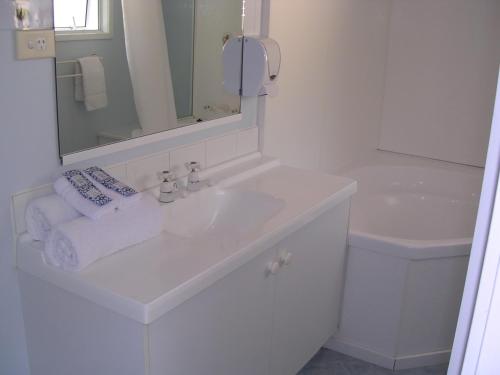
(159, 72)
(74, 75)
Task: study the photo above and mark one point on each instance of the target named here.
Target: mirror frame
(255, 22)
(147, 139)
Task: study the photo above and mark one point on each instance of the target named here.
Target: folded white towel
(44, 213)
(94, 83)
(122, 194)
(79, 192)
(74, 245)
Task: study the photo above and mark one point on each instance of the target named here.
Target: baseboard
(424, 359)
(356, 351)
(393, 363)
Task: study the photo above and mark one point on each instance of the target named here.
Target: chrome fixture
(193, 181)
(169, 188)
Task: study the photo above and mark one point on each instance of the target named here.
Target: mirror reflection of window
(76, 15)
(83, 19)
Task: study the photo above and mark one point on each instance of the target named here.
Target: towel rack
(70, 62)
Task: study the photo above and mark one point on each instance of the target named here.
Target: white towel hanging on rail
(90, 87)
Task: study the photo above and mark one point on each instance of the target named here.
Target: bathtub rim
(410, 249)
(402, 247)
(386, 158)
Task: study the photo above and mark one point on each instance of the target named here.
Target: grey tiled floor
(327, 362)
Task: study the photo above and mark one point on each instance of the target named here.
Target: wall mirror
(126, 69)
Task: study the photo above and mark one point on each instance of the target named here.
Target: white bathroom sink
(226, 212)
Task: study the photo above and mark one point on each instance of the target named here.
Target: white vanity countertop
(145, 281)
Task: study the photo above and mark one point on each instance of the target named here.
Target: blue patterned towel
(85, 197)
(110, 182)
(124, 195)
(86, 188)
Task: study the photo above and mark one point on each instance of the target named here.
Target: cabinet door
(308, 290)
(224, 330)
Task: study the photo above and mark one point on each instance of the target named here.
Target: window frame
(105, 26)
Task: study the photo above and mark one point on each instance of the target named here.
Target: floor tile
(328, 362)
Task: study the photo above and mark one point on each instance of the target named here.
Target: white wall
(29, 157)
(441, 78)
(331, 81)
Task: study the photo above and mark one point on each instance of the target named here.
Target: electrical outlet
(41, 44)
(35, 44)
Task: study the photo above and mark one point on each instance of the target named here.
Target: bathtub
(410, 235)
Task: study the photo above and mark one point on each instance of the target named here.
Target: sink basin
(219, 211)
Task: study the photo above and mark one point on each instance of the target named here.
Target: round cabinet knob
(285, 259)
(273, 268)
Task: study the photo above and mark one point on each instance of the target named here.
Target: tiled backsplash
(142, 173)
(221, 149)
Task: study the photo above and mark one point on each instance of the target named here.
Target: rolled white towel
(79, 192)
(74, 245)
(44, 213)
(122, 194)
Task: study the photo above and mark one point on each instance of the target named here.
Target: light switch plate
(35, 44)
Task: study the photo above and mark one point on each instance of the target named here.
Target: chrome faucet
(193, 181)
(169, 188)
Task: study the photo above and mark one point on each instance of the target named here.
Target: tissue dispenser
(260, 60)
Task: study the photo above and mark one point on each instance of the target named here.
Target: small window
(82, 19)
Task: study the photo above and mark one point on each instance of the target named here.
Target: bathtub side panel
(373, 295)
(431, 305)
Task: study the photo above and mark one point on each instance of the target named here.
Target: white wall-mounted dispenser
(232, 55)
(260, 59)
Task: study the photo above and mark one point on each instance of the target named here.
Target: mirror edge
(147, 139)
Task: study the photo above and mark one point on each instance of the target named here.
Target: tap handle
(193, 166)
(167, 176)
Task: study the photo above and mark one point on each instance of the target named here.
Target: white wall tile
(329, 105)
(179, 156)
(221, 149)
(441, 81)
(142, 173)
(118, 171)
(247, 141)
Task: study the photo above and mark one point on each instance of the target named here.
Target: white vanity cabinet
(226, 329)
(308, 291)
(254, 322)
(259, 304)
